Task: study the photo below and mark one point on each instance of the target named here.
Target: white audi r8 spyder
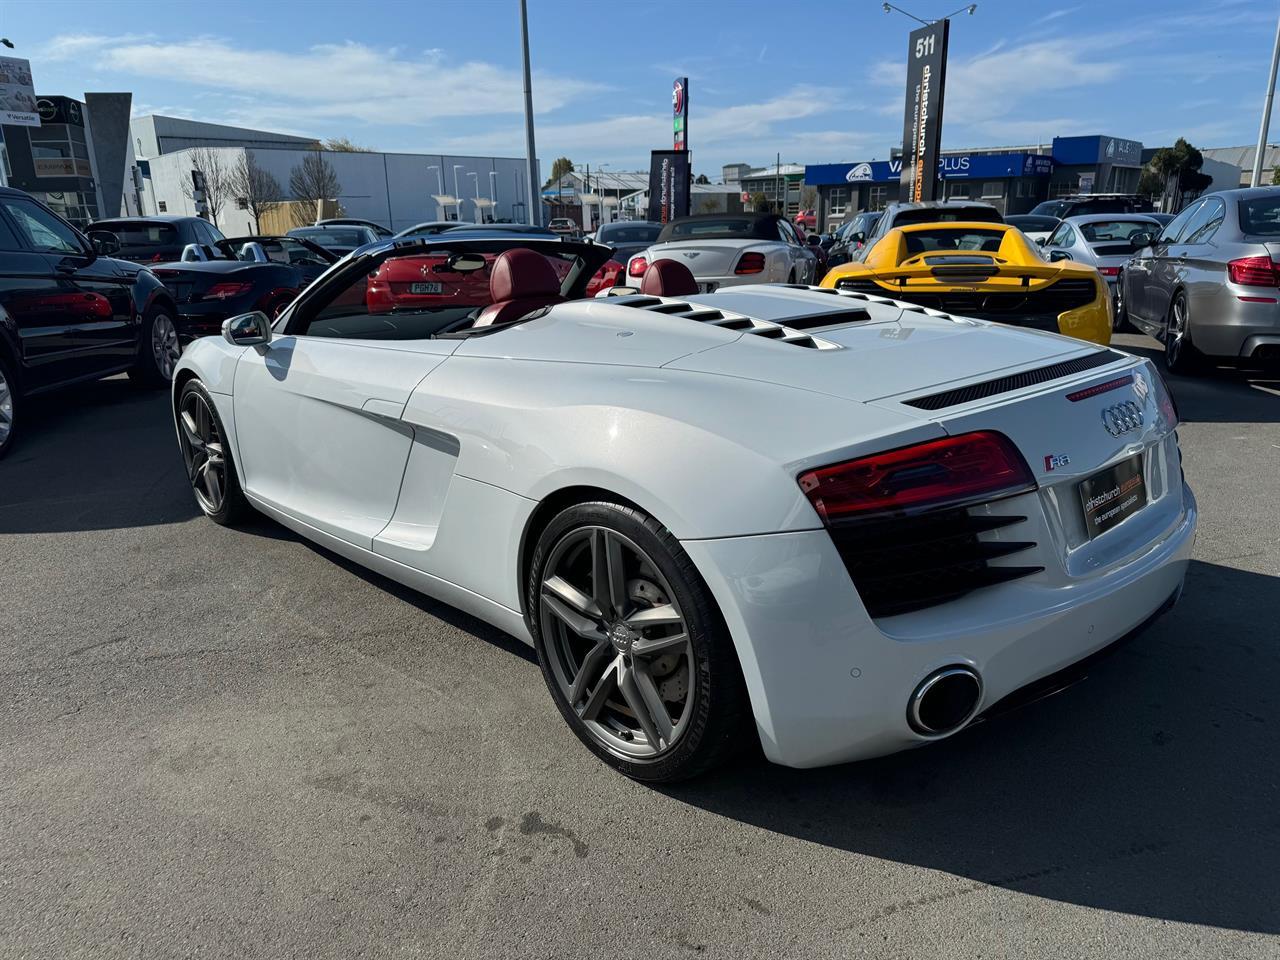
(731, 249)
(825, 521)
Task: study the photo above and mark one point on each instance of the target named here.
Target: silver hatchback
(1208, 284)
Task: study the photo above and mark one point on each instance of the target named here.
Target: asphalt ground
(231, 743)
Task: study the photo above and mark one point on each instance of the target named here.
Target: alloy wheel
(202, 449)
(1175, 337)
(617, 644)
(164, 345)
(6, 408)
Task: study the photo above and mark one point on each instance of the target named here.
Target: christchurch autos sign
(922, 121)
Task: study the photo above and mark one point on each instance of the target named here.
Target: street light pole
(531, 157)
(476, 202)
(457, 193)
(1256, 179)
(493, 195)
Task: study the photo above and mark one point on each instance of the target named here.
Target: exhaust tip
(944, 701)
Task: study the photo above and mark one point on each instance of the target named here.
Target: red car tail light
(226, 290)
(1109, 271)
(638, 266)
(750, 263)
(1253, 272)
(933, 474)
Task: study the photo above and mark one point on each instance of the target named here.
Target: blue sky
(817, 81)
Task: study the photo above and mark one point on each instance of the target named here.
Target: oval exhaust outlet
(944, 701)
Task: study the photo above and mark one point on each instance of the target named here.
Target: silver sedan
(1102, 240)
(1208, 283)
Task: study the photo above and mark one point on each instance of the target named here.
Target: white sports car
(730, 249)
(824, 521)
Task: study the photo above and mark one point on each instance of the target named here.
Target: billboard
(680, 113)
(668, 185)
(17, 94)
(922, 120)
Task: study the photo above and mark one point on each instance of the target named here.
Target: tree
(311, 181)
(760, 203)
(207, 162)
(255, 187)
(559, 168)
(702, 178)
(343, 145)
(1275, 176)
(1179, 169)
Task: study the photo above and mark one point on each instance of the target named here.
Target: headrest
(668, 278)
(519, 274)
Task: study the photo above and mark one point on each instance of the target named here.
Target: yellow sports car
(984, 270)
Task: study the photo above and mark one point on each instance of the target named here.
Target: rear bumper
(1226, 326)
(828, 685)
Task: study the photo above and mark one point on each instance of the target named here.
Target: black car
(310, 259)
(68, 313)
(628, 237)
(337, 238)
(1077, 206)
(850, 236)
(929, 211)
(153, 239)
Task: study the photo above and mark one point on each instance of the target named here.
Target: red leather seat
(668, 278)
(520, 282)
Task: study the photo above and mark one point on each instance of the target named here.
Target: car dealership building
(1013, 179)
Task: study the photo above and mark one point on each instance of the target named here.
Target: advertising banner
(17, 94)
(922, 121)
(680, 112)
(668, 185)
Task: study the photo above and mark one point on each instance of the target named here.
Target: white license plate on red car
(426, 288)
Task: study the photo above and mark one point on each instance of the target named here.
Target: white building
(396, 190)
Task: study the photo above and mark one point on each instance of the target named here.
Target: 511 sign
(922, 121)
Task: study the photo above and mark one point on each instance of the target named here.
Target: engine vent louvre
(787, 333)
(910, 563)
(1015, 381)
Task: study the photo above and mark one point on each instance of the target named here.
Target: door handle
(66, 268)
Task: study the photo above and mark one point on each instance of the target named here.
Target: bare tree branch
(256, 187)
(311, 181)
(208, 162)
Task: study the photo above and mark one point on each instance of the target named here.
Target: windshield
(1103, 231)
(1050, 208)
(1260, 217)
(1028, 222)
(717, 228)
(629, 233)
(140, 239)
(279, 250)
(334, 236)
(948, 240)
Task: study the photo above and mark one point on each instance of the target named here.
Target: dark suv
(157, 239)
(1078, 206)
(931, 211)
(68, 313)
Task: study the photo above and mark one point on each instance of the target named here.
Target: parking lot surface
(231, 743)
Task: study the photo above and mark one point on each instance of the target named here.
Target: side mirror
(814, 240)
(858, 236)
(105, 244)
(1141, 239)
(247, 330)
(1041, 241)
(1056, 255)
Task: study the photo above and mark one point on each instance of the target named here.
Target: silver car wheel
(6, 408)
(1176, 335)
(617, 643)
(203, 452)
(164, 345)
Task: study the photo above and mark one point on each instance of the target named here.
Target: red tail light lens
(1254, 272)
(638, 266)
(931, 474)
(750, 263)
(1109, 271)
(225, 291)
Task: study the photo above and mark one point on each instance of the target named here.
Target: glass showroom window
(992, 189)
(838, 201)
(877, 198)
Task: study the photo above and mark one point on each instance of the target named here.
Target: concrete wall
(108, 115)
(393, 189)
(154, 135)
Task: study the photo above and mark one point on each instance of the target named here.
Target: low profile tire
(1120, 317)
(159, 350)
(1180, 355)
(632, 647)
(210, 468)
(8, 407)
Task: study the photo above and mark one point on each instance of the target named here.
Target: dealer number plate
(430, 287)
(1113, 495)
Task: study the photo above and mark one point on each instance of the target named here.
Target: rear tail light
(1253, 272)
(225, 291)
(1109, 271)
(933, 474)
(638, 266)
(750, 263)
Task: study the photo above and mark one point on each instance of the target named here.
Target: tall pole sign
(680, 112)
(922, 123)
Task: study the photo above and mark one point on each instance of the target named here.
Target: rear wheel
(159, 350)
(1180, 355)
(8, 406)
(210, 468)
(632, 647)
(1120, 315)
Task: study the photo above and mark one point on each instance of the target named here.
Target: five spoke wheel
(617, 643)
(6, 408)
(165, 349)
(203, 451)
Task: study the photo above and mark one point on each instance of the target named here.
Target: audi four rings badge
(1122, 418)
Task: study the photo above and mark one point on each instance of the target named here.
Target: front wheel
(1180, 355)
(632, 646)
(207, 455)
(159, 351)
(8, 407)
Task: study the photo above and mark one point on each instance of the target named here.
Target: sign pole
(531, 154)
